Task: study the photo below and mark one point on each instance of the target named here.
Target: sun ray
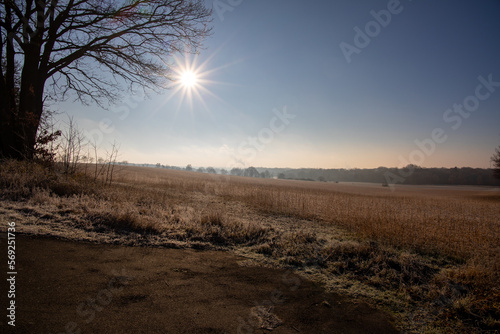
(190, 82)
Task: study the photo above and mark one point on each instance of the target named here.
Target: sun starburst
(190, 82)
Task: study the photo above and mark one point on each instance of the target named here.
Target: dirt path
(74, 287)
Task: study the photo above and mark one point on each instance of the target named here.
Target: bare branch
(90, 49)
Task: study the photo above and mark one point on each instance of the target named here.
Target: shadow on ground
(70, 287)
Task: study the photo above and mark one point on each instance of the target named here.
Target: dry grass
(455, 225)
(431, 255)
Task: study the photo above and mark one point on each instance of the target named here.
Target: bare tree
(104, 167)
(496, 162)
(71, 146)
(93, 49)
(111, 158)
(47, 143)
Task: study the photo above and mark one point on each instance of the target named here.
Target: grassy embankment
(430, 256)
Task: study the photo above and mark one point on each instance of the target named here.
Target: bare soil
(77, 287)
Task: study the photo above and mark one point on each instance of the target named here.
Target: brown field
(428, 254)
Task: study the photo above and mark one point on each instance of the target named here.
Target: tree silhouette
(496, 162)
(236, 171)
(251, 172)
(92, 48)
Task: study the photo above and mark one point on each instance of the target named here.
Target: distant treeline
(407, 175)
(410, 174)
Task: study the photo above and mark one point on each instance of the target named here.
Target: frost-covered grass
(431, 256)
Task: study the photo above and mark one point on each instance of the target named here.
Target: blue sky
(277, 90)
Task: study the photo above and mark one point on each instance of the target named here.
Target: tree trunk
(10, 141)
(20, 122)
(30, 105)
(16, 139)
(21, 106)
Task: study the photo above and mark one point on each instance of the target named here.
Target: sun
(189, 79)
(190, 82)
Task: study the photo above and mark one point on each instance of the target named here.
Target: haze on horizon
(322, 85)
